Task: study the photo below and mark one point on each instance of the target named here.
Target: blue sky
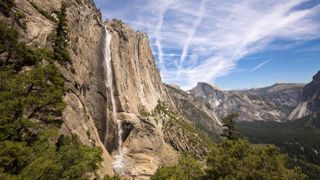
(234, 44)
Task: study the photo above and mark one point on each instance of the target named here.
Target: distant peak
(280, 82)
(317, 76)
(286, 84)
(174, 86)
(213, 86)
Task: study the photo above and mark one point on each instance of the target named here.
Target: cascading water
(119, 163)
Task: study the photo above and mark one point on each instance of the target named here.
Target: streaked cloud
(260, 65)
(211, 37)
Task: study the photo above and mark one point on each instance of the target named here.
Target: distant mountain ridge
(273, 103)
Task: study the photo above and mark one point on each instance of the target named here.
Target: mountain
(309, 104)
(114, 97)
(270, 103)
(197, 111)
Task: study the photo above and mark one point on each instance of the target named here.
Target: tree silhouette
(230, 131)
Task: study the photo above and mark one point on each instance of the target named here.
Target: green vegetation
(187, 168)
(233, 159)
(67, 159)
(6, 6)
(299, 140)
(230, 131)
(61, 38)
(18, 54)
(116, 177)
(183, 129)
(241, 160)
(143, 112)
(31, 106)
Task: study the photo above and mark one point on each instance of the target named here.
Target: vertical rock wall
(85, 113)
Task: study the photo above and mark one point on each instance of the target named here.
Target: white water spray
(119, 163)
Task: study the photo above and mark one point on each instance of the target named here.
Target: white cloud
(260, 65)
(212, 36)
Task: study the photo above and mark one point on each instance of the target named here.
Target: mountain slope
(285, 96)
(271, 103)
(196, 111)
(309, 104)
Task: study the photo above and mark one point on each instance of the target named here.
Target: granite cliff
(309, 104)
(83, 78)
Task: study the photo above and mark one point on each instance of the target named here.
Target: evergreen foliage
(15, 53)
(6, 6)
(31, 106)
(176, 123)
(116, 177)
(234, 159)
(61, 37)
(187, 169)
(230, 131)
(241, 160)
(296, 138)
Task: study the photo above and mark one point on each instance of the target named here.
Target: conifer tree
(230, 131)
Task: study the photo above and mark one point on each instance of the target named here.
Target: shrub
(187, 169)
(6, 6)
(241, 160)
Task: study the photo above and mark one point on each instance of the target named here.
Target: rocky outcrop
(152, 135)
(138, 83)
(272, 103)
(196, 111)
(85, 96)
(137, 90)
(309, 104)
(181, 133)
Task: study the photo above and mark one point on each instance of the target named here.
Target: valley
(298, 139)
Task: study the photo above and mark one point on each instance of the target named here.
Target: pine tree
(61, 37)
(230, 131)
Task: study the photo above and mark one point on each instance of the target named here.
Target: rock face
(271, 103)
(138, 81)
(285, 96)
(85, 97)
(153, 127)
(137, 89)
(310, 102)
(197, 111)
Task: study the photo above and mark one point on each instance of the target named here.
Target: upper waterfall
(119, 162)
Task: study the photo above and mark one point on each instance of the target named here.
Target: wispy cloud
(212, 36)
(192, 31)
(260, 65)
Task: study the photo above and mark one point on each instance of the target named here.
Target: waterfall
(119, 162)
